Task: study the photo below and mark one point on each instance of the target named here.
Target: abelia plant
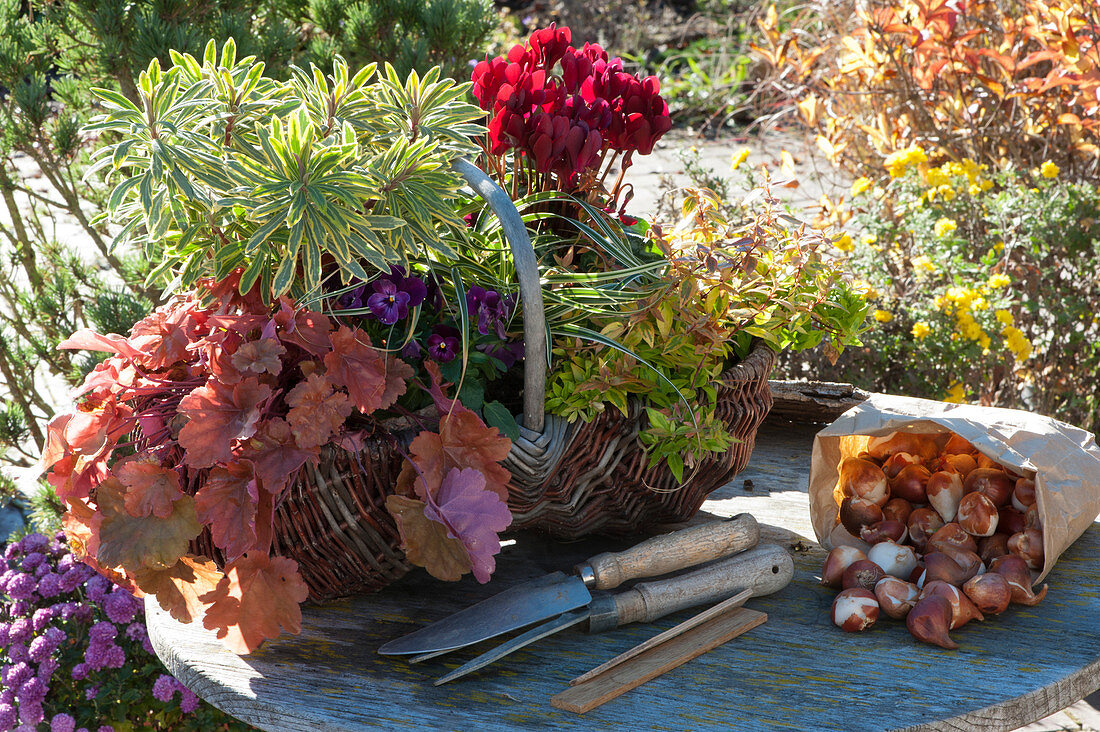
(75, 654)
(568, 113)
(202, 418)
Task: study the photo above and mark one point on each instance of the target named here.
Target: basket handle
(530, 289)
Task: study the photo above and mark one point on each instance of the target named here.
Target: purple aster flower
(40, 649)
(42, 570)
(65, 562)
(7, 576)
(136, 631)
(7, 716)
(82, 614)
(444, 344)
(91, 692)
(50, 584)
(70, 580)
(164, 688)
(65, 609)
(47, 668)
(16, 674)
(7, 696)
(12, 551)
(41, 618)
(31, 713)
(106, 728)
(17, 653)
(97, 588)
(388, 303)
(32, 561)
(103, 631)
(80, 672)
(115, 657)
(19, 630)
(189, 702)
(35, 543)
(20, 608)
(62, 723)
(20, 587)
(4, 635)
(147, 646)
(33, 691)
(120, 606)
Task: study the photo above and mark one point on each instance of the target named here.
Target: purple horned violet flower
(388, 303)
(444, 344)
(490, 309)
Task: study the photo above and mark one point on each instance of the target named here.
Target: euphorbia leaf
(178, 588)
(138, 543)
(218, 414)
(425, 542)
(374, 380)
(150, 488)
(227, 504)
(256, 599)
(473, 515)
(316, 411)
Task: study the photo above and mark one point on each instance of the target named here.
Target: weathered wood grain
(796, 671)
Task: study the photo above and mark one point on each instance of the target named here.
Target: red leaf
(275, 454)
(473, 515)
(374, 380)
(316, 411)
(304, 328)
(89, 340)
(140, 543)
(256, 599)
(425, 542)
(227, 504)
(463, 441)
(218, 414)
(161, 337)
(113, 377)
(260, 356)
(150, 489)
(178, 587)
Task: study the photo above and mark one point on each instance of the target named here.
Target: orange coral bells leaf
(275, 454)
(218, 414)
(373, 379)
(88, 340)
(256, 599)
(227, 504)
(150, 489)
(304, 328)
(425, 542)
(178, 588)
(138, 543)
(259, 356)
(316, 410)
(463, 441)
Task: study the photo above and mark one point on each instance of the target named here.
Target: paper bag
(1065, 460)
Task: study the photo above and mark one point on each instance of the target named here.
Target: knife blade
(557, 593)
(759, 571)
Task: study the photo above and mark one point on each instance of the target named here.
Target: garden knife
(762, 570)
(557, 593)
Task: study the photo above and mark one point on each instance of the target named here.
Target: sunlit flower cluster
(945, 227)
(897, 163)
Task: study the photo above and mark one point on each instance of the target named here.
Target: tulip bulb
(962, 609)
(987, 462)
(896, 597)
(1027, 545)
(895, 559)
(989, 592)
(929, 621)
(951, 536)
(958, 446)
(964, 465)
(1015, 571)
(922, 446)
(855, 609)
(910, 483)
(855, 513)
(838, 560)
(897, 509)
(994, 483)
(978, 514)
(884, 531)
(861, 573)
(953, 567)
(863, 479)
(944, 491)
(923, 522)
(1023, 494)
(897, 461)
(1010, 521)
(991, 547)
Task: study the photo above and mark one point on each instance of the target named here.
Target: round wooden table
(797, 671)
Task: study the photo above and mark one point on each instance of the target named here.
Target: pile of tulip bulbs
(951, 537)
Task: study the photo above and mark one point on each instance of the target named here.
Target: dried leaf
(374, 380)
(138, 543)
(257, 599)
(227, 504)
(317, 411)
(178, 588)
(473, 515)
(218, 414)
(150, 488)
(425, 542)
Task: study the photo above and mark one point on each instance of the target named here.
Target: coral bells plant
(74, 653)
(567, 114)
(201, 421)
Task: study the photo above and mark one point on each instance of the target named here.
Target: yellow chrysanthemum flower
(923, 264)
(920, 329)
(1049, 170)
(1004, 317)
(860, 185)
(868, 239)
(883, 316)
(937, 177)
(844, 243)
(738, 159)
(945, 226)
(1000, 280)
(955, 393)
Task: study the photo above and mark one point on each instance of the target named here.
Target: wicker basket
(568, 480)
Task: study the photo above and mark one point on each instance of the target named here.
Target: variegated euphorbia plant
(220, 167)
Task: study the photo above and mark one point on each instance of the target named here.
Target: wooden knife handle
(671, 552)
(763, 570)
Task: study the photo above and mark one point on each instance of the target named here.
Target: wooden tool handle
(671, 552)
(763, 570)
